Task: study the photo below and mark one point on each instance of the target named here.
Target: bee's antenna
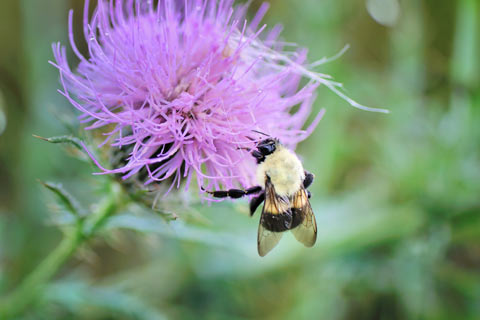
(261, 133)
(243, 148)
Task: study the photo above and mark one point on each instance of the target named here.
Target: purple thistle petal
(182, 85)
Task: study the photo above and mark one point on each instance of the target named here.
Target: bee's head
(267, 146)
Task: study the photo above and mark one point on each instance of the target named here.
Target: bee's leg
(308, 179)
(235, 193)
(309, 194)
(255, 202)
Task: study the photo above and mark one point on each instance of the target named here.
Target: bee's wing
(267, 240)
(274, 204)
(306, 231)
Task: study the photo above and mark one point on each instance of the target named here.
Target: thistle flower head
(182, 85)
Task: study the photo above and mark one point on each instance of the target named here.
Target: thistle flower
(182, 85)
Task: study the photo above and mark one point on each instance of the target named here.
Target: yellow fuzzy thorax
(284, 169)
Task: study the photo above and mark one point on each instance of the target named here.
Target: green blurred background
(397, 196)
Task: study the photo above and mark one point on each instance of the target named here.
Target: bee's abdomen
(282, 222)
(277, 222)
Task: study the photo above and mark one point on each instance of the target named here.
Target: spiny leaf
(68, 202)
(74, 141)
(148, 223)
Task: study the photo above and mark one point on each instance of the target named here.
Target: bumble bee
(282, 184)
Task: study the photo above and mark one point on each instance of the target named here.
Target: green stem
(464, 58)
(30, 288)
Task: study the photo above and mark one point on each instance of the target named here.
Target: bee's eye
(266, 148)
